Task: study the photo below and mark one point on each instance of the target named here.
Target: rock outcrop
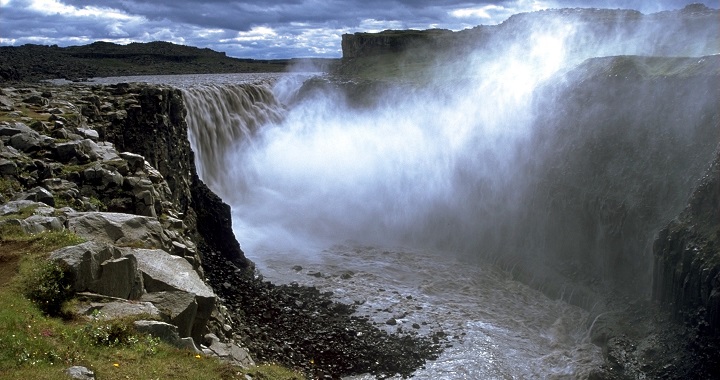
(687, 257)
(143, 250)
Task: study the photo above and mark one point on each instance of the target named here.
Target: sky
(268, 29)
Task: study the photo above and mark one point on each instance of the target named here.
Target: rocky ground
(59, 171)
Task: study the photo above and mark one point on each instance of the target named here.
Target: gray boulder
(80, 373)
(65, 152)
(100, 268)
(102, 177)
(119, 278)
(165, 272)
(136, 162)
(229, 352)
(119, 229)
(79, 150)
(26, 142)
(89, 133)
(7, 167)
(165, 332)
(17, 206)
(38, 194)
(106, 151)
(84, 262)
(17, 128)
(178, 308)
(39, 223)
(120, 309)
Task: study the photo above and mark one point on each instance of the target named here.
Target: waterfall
(220, 117)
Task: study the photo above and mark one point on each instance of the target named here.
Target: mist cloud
(268, 29)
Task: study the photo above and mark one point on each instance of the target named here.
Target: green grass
(25, 111)
(35, 346)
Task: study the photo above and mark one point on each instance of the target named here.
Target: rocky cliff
(687, 257)
(144, 250)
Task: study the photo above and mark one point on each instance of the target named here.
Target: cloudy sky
(262, 29)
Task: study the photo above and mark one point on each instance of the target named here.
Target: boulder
(17, 128)
(17, 206)
(7, 167)
(119, 229)
(178, 308)
(165, 272)
(26, 142)
(102, 177)
(65, 152)
(80, 373)
(136, 162)
(229, 352)
(36, 100)
(106, 151)
(39, 223)
(119, 278)
(120, 309)
(79, 150)
(38, 194)
(89, 133)
(84, 262)
(165, 332)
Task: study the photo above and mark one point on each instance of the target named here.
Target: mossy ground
(35, 346)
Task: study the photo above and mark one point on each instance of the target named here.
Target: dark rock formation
(687, 257)
(153, 126)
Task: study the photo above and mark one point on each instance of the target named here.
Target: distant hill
(103, 59)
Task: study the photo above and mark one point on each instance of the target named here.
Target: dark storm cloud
(260, 29)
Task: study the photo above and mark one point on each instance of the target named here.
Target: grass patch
(36, 346)
(25, 212)
(67, 169)
(9, 186)
(25, 111)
